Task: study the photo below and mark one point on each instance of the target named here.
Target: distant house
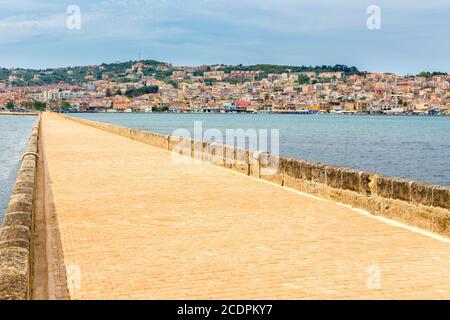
(243, 106)
(179, 107)
(391, 108)
(212, 109)
(178, 75)
(216, 75)
(244, 75)
(143, 106)
(3, 103)
(362, 105)
(330, 75)
(350, 106)
(122, 106)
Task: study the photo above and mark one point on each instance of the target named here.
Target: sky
(414, 35)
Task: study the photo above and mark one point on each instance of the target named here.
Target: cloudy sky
(414, 34)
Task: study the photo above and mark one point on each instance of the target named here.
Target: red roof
(242, 103)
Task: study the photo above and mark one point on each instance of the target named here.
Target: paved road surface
(125, 222)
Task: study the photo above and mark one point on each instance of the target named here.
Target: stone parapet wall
(16, 231)
(414, 203)
(19, 113)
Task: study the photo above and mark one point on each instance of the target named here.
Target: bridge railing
(16, 231)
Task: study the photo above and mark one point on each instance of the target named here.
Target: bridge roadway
(124, 222)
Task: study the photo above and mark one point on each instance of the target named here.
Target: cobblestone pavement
(127, 223)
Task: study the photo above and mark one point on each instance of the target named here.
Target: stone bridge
(116, 218)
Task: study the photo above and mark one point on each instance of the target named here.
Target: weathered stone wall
(418, 204)
(19, 113)
(15, 234)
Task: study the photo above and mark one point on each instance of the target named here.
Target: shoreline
(16, 229)
(269, 113)
(238, 113)
(19, 113)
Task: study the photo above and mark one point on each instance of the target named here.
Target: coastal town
(151, 86)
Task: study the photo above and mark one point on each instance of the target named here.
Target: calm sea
(411, 147)
(14, 134)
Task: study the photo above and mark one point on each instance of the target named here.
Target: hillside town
(160, 87)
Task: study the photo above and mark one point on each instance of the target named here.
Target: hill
(133, 71)
(118, 71)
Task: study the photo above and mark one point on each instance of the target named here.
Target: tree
(198, 73)
(427, 74)
(108, 92)
(118, 92)
(27, 104)
(160, 109)
(172, 83)
(10, 105)
(141, 91)
(40, 106)
(210, 82)
(302, 79)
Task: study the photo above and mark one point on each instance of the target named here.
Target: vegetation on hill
(123, 72)
(303, 79)
(270, 68)
(431, 74)
(133, 71)
(4, 74)
(140, 91)
(118, 72)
